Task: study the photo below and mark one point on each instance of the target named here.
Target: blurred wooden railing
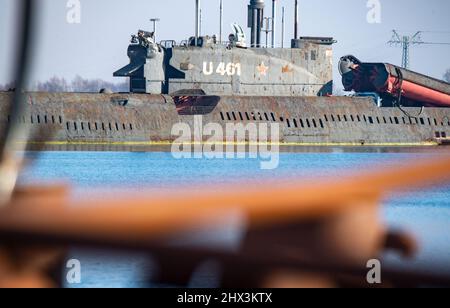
(281, 217)
(148, 216)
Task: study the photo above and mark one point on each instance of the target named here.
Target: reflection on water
(425, 213)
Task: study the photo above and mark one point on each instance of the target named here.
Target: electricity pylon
(405, 42)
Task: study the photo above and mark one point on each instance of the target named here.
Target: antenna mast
(274, 21)
(197, 21)
(221, 21)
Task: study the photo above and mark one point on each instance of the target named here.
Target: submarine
(242, 82)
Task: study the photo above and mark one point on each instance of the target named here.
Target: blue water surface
(425, 213)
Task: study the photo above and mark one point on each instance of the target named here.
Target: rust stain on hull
(142, 118)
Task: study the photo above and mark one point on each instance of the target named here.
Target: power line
(425, 31)
(406, 41)
(437, 32)
(431, 43)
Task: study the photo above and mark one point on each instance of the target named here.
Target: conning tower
(204, 65)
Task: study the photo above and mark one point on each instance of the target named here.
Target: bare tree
(79, 84)
(447, 75)
(7, 86)
(54, 84)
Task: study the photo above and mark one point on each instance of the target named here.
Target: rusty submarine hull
(145, 119)
(232, 83)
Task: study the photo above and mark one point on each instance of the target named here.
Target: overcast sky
(96, 47)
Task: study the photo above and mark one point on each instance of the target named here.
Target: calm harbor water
(425, 213)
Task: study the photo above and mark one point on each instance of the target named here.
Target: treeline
(7, 86)
(78, 84)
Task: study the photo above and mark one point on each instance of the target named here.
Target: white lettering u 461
(222, 68)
